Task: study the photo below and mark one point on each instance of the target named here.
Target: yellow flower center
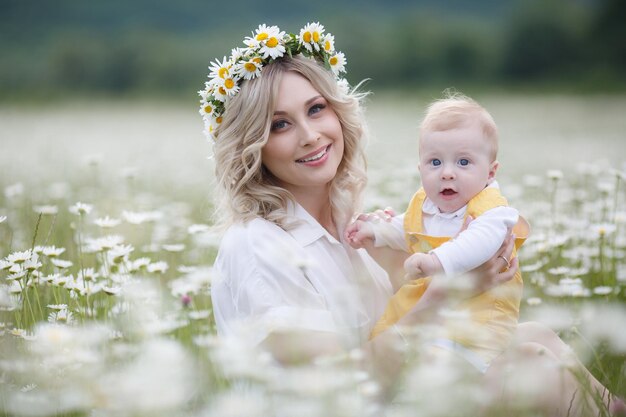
(258, 60)
(316, 36)
(333, 60)
(250, 67)
(307, 37)
(222, 91)
(218, 120)
(262, 36)
(223, 72)
(272, 42)
(208, 109)
(229, 83)
(327, 46)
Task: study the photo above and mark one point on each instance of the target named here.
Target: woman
(290, 165)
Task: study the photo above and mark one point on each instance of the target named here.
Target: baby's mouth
(448, 192)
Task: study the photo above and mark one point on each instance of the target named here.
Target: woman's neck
(317, 204)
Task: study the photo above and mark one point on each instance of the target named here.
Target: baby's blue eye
(463, 162)
(435, 162)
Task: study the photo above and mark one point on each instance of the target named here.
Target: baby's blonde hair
(456, 110)
(246, 188)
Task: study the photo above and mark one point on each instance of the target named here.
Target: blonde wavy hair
(456, 110)
(246, 189)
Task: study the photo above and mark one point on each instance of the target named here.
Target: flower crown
(263, 47)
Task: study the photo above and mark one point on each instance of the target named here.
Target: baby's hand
(359, 234)
(421, 265)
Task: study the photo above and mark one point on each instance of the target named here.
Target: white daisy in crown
(217, 90)
(263, 34)
(311, 35)
(207, 109)
(250, 68)
(337, 63)
(220, 69)
(228, 86)
(328, 43)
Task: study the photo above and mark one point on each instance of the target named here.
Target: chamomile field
(106, 253)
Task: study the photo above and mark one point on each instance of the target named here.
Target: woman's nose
(308, 133)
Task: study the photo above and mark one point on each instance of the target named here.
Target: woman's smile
(315, 158)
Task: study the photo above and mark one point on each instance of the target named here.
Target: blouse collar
(306, 230)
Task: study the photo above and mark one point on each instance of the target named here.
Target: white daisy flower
(19, 257)
(58, 306)
(5, 264)
(104, 243)
(32, 264)
(2, 219)
(81, 209)
(61, 263)
(249, 69)
(220, 69)
(46, 210)
(225, 87)
(337, 63)
(238, 53)
(263, 34)
(141, 217)
(207, 109)
(88, 274)
(270, 41)
(61, 316)
(120, 253)
(60, 281)
(106, 222)
(198, 228)
(174, 247)
(52, 251)
(16, 276)
(310, 36)
(328, 43)
(158, 267)
(344, 86)
(111, 290)
(140, 263)
(554, 174)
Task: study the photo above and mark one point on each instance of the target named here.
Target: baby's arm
(478, 243)
(421, 265)
(384, 241)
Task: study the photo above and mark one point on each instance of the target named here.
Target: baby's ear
(493, 168)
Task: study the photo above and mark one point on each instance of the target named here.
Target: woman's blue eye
(435, 162)
(279, 124)
(316, 108)
(463, 162)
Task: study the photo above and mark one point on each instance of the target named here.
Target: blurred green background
(54, 49)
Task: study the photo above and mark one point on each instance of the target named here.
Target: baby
(457, 163)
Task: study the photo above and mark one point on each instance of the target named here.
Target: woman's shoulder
(243, 237)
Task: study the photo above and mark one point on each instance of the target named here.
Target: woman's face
(305, 145)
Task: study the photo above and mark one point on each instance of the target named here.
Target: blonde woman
(288, 144)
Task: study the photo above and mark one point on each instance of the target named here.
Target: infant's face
(455, 165)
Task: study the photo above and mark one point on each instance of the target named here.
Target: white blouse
(270, 279)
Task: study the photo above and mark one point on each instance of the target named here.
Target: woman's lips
(314, 156)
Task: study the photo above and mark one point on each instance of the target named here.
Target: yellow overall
(492, 316)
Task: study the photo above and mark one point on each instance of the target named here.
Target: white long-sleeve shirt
(470, 249)
(269, 279)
